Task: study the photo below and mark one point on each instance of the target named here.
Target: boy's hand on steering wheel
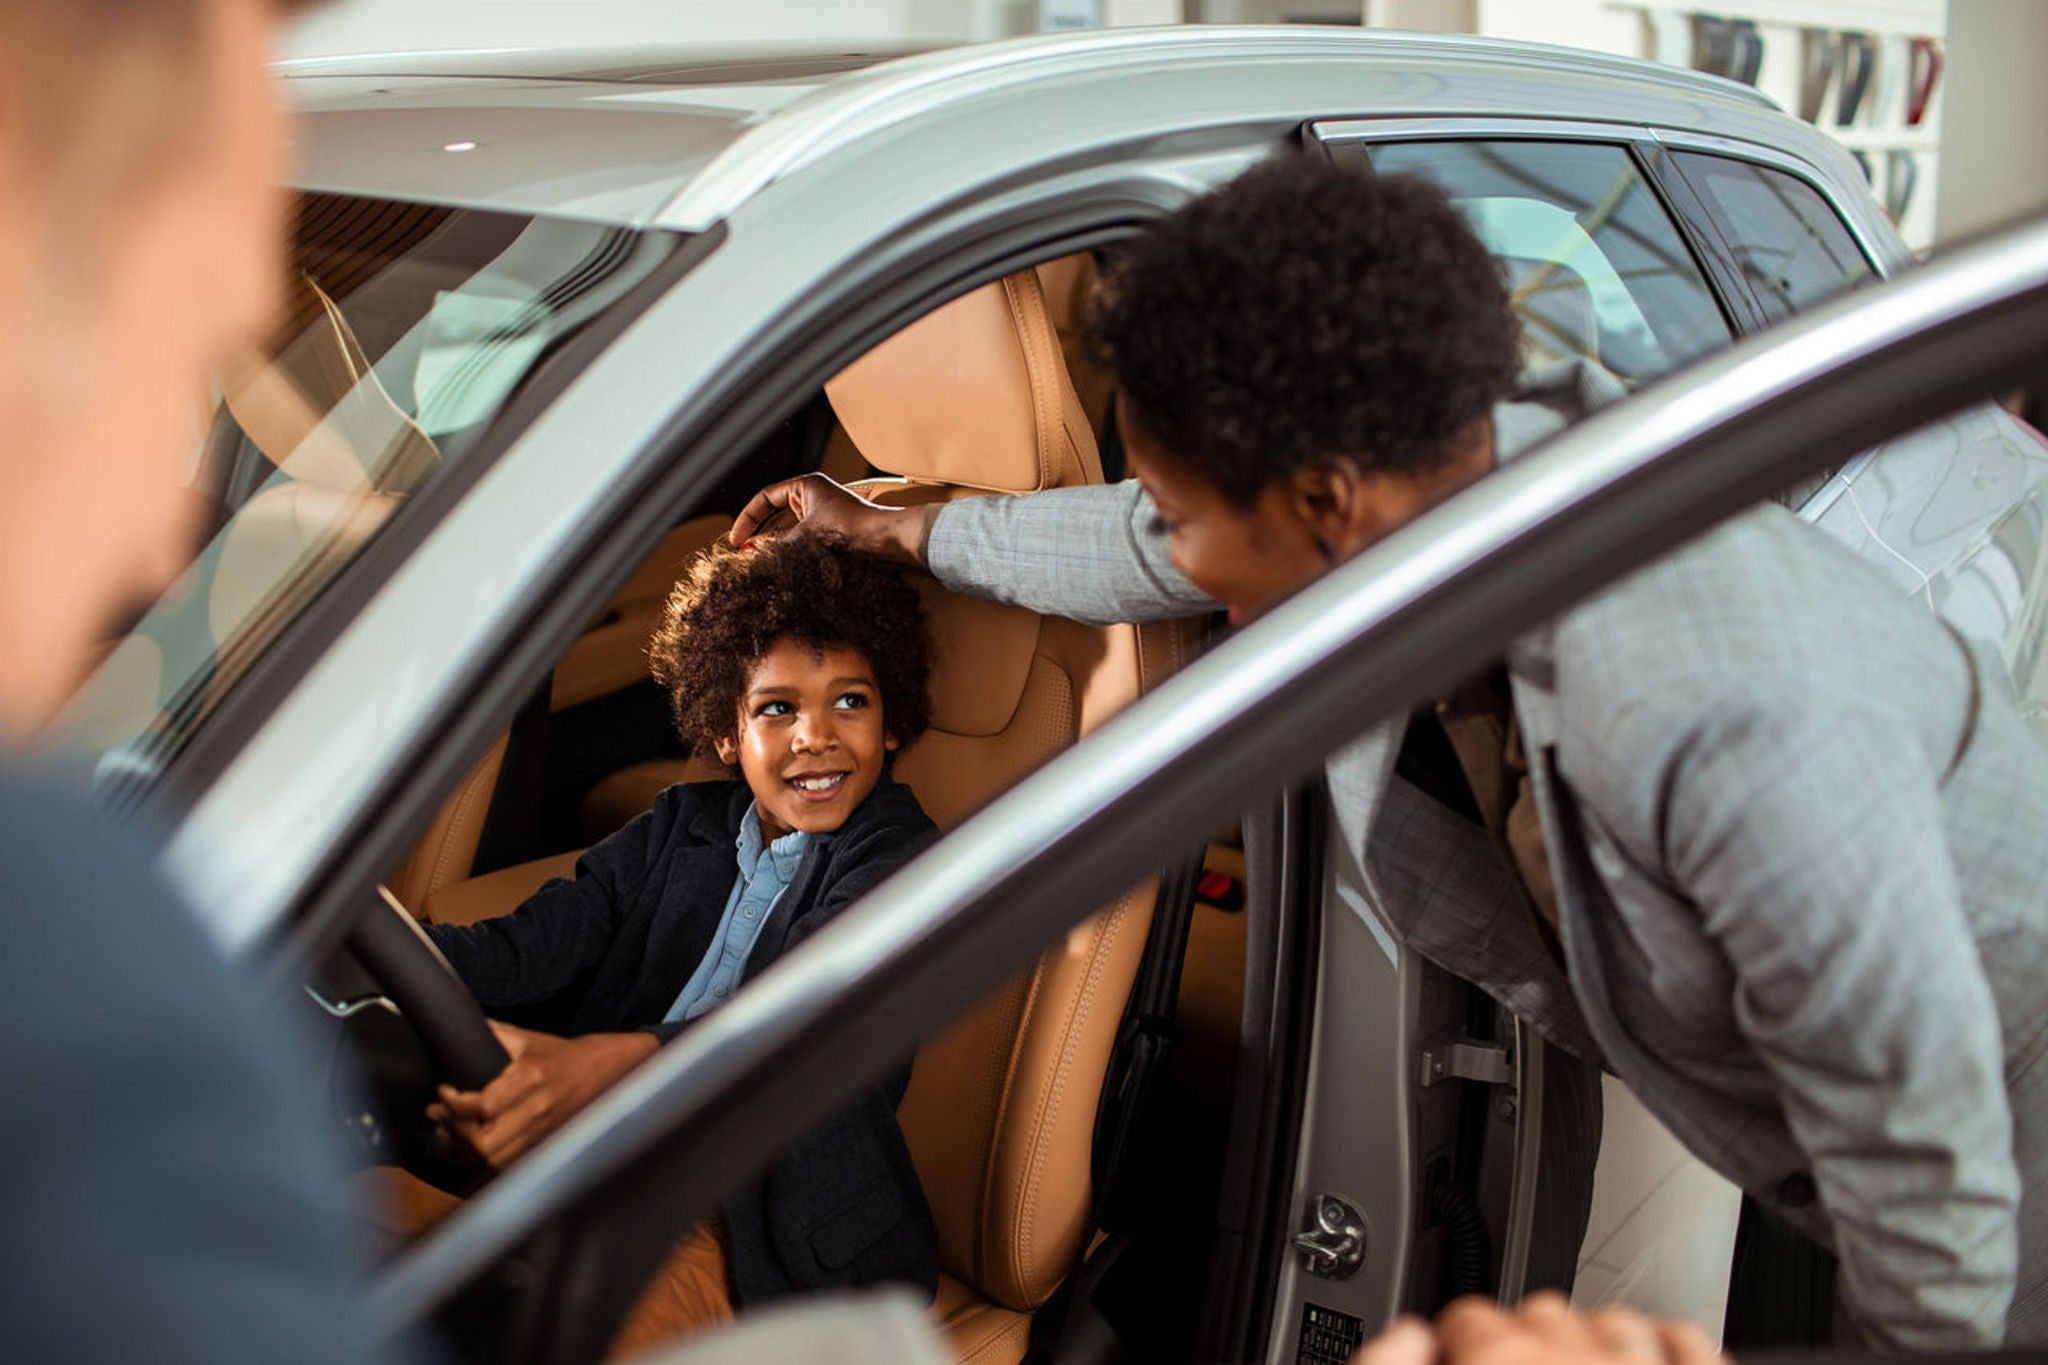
(548, 1079)
(815, 503)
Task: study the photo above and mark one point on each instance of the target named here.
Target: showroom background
(1977, 152)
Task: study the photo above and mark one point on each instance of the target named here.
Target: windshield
(409, 329)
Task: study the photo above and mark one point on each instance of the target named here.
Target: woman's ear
(1324, 497)
(890, 744)
(1347, 507)
(728, 749)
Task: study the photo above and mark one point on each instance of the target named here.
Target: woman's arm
(1811, 840)
(1095, 554)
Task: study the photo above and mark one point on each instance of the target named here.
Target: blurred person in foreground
(1542, 1329)
(1749, 827)
(169, 1190)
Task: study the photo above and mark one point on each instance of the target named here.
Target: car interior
(1002, 1109)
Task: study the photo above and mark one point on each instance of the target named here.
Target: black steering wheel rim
(410, 970)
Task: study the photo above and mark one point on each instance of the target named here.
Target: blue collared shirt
(764, 876)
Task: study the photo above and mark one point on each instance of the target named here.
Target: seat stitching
(994, 1158)
(1001, 1344)
(1038, 1143)
(1030, 323)
(464, 800)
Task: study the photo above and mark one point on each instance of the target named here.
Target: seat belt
(1068, 1328)
(1144, 1045)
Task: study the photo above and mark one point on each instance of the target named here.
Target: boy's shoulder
(890, 815)
(706, 810)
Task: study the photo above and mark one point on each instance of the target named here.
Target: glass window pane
(1596, 268)
(1793, 247)
(407, 330)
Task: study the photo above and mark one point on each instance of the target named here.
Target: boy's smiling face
(809, 737)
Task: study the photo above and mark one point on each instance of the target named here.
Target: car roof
(679, 137)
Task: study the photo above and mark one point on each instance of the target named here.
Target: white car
(560, 313)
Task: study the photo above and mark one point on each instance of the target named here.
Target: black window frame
(1694, 209)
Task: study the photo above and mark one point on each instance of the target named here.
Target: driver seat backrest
(346, 456)
(974, 399)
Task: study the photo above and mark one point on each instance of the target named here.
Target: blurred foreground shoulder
(173, 1193)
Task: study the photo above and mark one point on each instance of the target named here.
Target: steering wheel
(411, 972)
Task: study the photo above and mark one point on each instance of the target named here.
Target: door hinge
(1485, 1062)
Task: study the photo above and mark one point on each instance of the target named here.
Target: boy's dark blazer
(611, 950)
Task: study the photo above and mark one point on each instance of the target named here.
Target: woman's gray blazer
(1800, 838)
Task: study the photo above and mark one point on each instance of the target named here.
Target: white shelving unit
(1663, 30)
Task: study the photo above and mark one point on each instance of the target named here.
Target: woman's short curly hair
(731, 607)
(1307, 309)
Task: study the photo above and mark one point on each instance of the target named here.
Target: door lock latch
(1333, 1246)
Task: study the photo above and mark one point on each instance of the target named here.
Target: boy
(802, 666)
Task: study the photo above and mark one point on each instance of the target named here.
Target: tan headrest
(983, 649)
(319, 412)
(983, 661)
(974, 394)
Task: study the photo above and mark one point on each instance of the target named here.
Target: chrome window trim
(1490, 128)
(1410, 614)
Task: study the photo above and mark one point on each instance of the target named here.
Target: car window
(408, 328)
(1793, 247)
(1595, 267)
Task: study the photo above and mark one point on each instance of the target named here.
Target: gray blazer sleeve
(1829, 885)
(1095, 554)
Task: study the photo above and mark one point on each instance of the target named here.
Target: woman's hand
(815, 503)
(1541, 1330)
(547, 1080)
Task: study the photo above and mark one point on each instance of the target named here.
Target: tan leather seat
(611, 654)
(346, 455)
(1000, 1113)
(1069, 284)
(446, 851)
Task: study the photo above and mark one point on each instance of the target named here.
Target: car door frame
(1375, 635)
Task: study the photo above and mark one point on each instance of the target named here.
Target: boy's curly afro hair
(1303, 310)
(731, 606)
